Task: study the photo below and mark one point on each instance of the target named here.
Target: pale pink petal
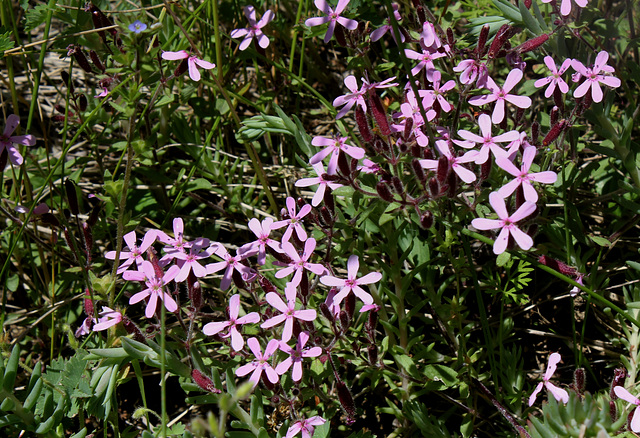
(546, 177)
(238, 33)
(512, 79)
(284, 366)
(316, 21)
(530, 193)
(500, 245)
(626, 395)
(486, 224)
(509, 188)
(525, 210)
(151, 305)
(245, 43)
(250, 318)
(610, 81)
(272, 322)
(635, 421)
(519, 101)
(558, 393)
(245, 369)
(498, 112)
(237, 342)
(169, 302)
(139, 296)
(306, 315)
(263, 41)
(12, 123)
(30, 140)
(352, 266)
(182, 54)
(329, 280)
(266, 18)
(213, 328)
(497, 202)
(523, 240)
(582, 89)
(274, 300)
(296, 374)
(364, 296)
(348, 23)
(205, 64)
(194, 74)
(465, 174)
(534, 394)
(371, 277)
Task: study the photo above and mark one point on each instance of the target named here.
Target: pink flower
(155, 287)
(135, 253)
(8, 141)
(626, 396)
(437, 92)
(411, 110)
(500, 95)
(333, 146)
(523, 177)
(296, 355)
(558, 393)
(488, 142)
(254, 29)
(352, 284)
(470, 69)
(454, 161)
(176, 243)
(260, 363)
(188, 262)
(379, 32)
(262, 231)
(356, 96)
(300, 262)
(555, 78)
(288, 310)
(229, 264)
(565, 7)
(108, 318)
(306, 427)
(294, 222)
(369, 166)
(594, 78)
(426, 61)
(506, 223)
(331, 17)
(237, 342)
(192, 61)
(320, 181)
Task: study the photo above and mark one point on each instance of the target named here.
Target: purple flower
(470, 69)
(108, 318)
(137, 26)
(300, 262)
(426, 61)
(555, 78)
(411, 110)
(288, 310)
(351, 284)
(356, 96)
(523, 176)
(254, 29)
(135, 253)
(262, 231)
(155, 287)
(296, 355)
(8, 141)
(237, 342)
(294, 222)
(260, 362)
(379, 32)
(306, 427)
(500, 95)
(436, 94)
(229, 264)
(188, 261)
(565, 7)
(331, 17)
(558, 393)
(594, 77)
(192, 61)
(454, 161)
(506, 223)
(488, 142)
(320, 181)
(333, 146)
(626, 396)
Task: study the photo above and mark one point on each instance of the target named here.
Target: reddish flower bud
(498, 41)
(340, 36)
(345, 321)
(204, 382)
(370, 325)
(350, 305)
(96, 61)
(46, 218)
(408, 129)
(372, 352)
(619, 376)
(181, 68)
(443, 169)
(326, 216)
(88, 240)
(379, 113)
(450, 37)
(418, 171)
(194, 291)
(434, 187)
(397, 185)
(88, 303)
(535, 133)
(426, 220)
(383, 190)
(554, 132)
(485, 170)
(95, 213)
(80, 57)
(532, 44)
(579, 380)
(452, 184)
(482, 41)
(82, 103)
(558, 99)
(554, 115)
(363, 124)
(324, 309)
(346, 399)
(133, 329)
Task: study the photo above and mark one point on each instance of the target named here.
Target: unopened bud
(372, 352)
(194, 290)
(96, 60)
(87, 232)
(181, 69)
(443, 169)
(363, 124)
(535, 132)
(326, 312)
(326, 216)
(340, 36)
(558, 99)
(418, 171)
(485, 170)
(434, 187)
(579, 380)
(408, 129)
(397, 185)
(204, 382)
(345, 321)
(88, 303)
(346, 399)
(452, 184)
(426, 220)
(554, 133)
(482, 40)
(383, 190)
(532, 44)
(379, 113)
(82, 103)
(498, 41)
(450, 37)
(133, 329)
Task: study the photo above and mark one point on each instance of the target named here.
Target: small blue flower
(137, 26)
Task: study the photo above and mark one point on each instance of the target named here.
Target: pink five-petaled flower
(296, 355)
(487, 141)
(254, 29)
(237, 342)
(7, 141)
(506, 223)
(352, 284)
(188, 261)
(594, 77)
(262, 231)
(565, 7)
(500, 95)
(306, 427)
(230, 263)
(300, 262)
(356, 96)
(558, 393)
(332, 16)
(260, 363)
(155, 287)
(438, 90)
(555, 78)
(454, 161)
(135, 252)
(426, 61)
(626, 396)
(320, 181)
(288, 310)
(523, 176)
(294, 222)
(176, 243)
(470, 69)
(108, 318)
(192, 62)
(379, 32)
(333, 146)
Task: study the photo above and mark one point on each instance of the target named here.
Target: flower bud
(485, 170)
(346, 399)
(554, 115)
(340, 36)
(46, 218)
(579, 381)
(324, 309)
(88, 303)
(554, 133)
(79, 56)
(452, 185)
(418, 171)
(96, 61)
(397, 185)
(350, 305)
(82, 103)
(304, 287)
(194, 291)
(557, 265)
(558, 99)
(482, 40)
(443, 169)
(326, 216)
(372, 352)
(343, 164)
(450, 37)
(88, 240)
(204, 382)
(181, 68)
(370, 325)
(434, 187)
(345, 321)
(498, 41)
(408, 129)
(379, 113)
(363, 124)
(532, 44)
(619, 376)
(133, 329)
(383, 190)
(426, 220)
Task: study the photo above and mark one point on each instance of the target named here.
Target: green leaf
(531, 23)
(601, 241)
(5, 42)
(503, 259)
(38, 15)
(440, 373)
